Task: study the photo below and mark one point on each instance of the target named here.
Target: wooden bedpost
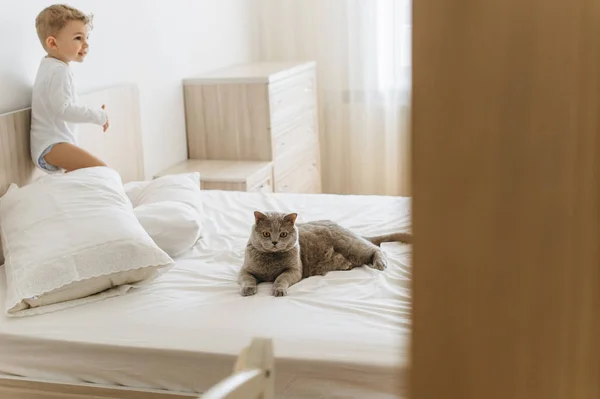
(253, 377)
(506, 177)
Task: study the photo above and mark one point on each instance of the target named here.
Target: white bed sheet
(343, 335)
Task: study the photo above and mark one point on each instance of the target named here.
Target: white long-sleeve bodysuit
(54, 109)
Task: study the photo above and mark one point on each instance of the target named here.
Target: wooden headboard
(120, 147)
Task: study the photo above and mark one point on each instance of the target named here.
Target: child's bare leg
(70, 157)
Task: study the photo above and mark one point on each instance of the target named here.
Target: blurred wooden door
(506, 176)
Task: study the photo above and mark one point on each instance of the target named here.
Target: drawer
(259, 177)
(290, 96)
(304, 179)
(298, 137)
(294, 160)
(263, 187)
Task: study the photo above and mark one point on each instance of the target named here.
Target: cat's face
(274, 232)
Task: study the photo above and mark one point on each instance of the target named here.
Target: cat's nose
(274, 242)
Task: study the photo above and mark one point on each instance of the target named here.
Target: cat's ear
(291, 217)
(259, 216)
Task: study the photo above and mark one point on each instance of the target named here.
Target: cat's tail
(394, 237)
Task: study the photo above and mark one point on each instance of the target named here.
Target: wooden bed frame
(253, 378)
(121, 148)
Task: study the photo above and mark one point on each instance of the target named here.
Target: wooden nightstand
(228, 175)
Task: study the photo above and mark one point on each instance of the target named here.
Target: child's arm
(63, 103)
(77, 113)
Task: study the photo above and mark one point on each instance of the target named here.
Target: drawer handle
(263, 185)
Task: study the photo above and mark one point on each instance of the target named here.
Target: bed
(343, 335)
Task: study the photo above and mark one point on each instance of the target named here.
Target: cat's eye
(267, 234)
(284, 234)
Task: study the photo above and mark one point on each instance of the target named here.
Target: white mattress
(343, 335)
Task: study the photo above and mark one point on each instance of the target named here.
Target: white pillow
(174, 226)
(183, 188)
(133, 190)
(170, 209)
(71, 239)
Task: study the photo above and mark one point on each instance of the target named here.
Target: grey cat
(283, 252)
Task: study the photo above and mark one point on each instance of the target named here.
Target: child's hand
(105, 127)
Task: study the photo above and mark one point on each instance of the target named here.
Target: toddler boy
(63, 32)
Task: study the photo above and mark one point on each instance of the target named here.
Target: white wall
(153, 43)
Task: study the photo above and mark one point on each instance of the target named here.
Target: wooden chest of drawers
(258, 112)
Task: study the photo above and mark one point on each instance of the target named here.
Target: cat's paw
(379, 264)
(279, 290)
(248, 290)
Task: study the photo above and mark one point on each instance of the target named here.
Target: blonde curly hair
(55, 17)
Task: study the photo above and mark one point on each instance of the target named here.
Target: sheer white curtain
(362, 48)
